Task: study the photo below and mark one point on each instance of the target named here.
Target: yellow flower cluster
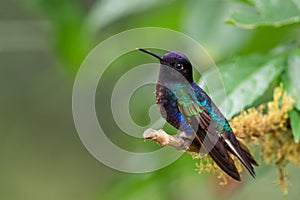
(207, 164)
(266, 127)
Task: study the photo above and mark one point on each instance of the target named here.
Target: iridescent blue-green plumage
(188, 108)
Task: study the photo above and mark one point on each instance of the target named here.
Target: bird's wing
(227, 136)
(197, 111)
(200, 121)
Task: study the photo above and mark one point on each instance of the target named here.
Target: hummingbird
(188, 108)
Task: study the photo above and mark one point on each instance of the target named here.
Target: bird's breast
(167, 105)
(165, 97)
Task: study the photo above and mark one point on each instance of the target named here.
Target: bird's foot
(180, 141)
(160, 136)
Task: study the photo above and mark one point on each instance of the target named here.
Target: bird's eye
(179, 66)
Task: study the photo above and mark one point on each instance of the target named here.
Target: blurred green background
(42, 44)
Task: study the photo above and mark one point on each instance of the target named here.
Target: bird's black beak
(160, 58)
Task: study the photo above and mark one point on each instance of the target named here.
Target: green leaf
(291, 80)
(106, 12)
(274, 13)
(217, 37)
(295, 123)
(245, 79)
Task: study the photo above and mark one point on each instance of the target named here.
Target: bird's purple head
(173, 55)
(176, 61)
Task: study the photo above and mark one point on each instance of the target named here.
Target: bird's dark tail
(219, 154)
(247, 154)
(240, 151)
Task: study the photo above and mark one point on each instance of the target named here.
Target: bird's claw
(157, 135)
